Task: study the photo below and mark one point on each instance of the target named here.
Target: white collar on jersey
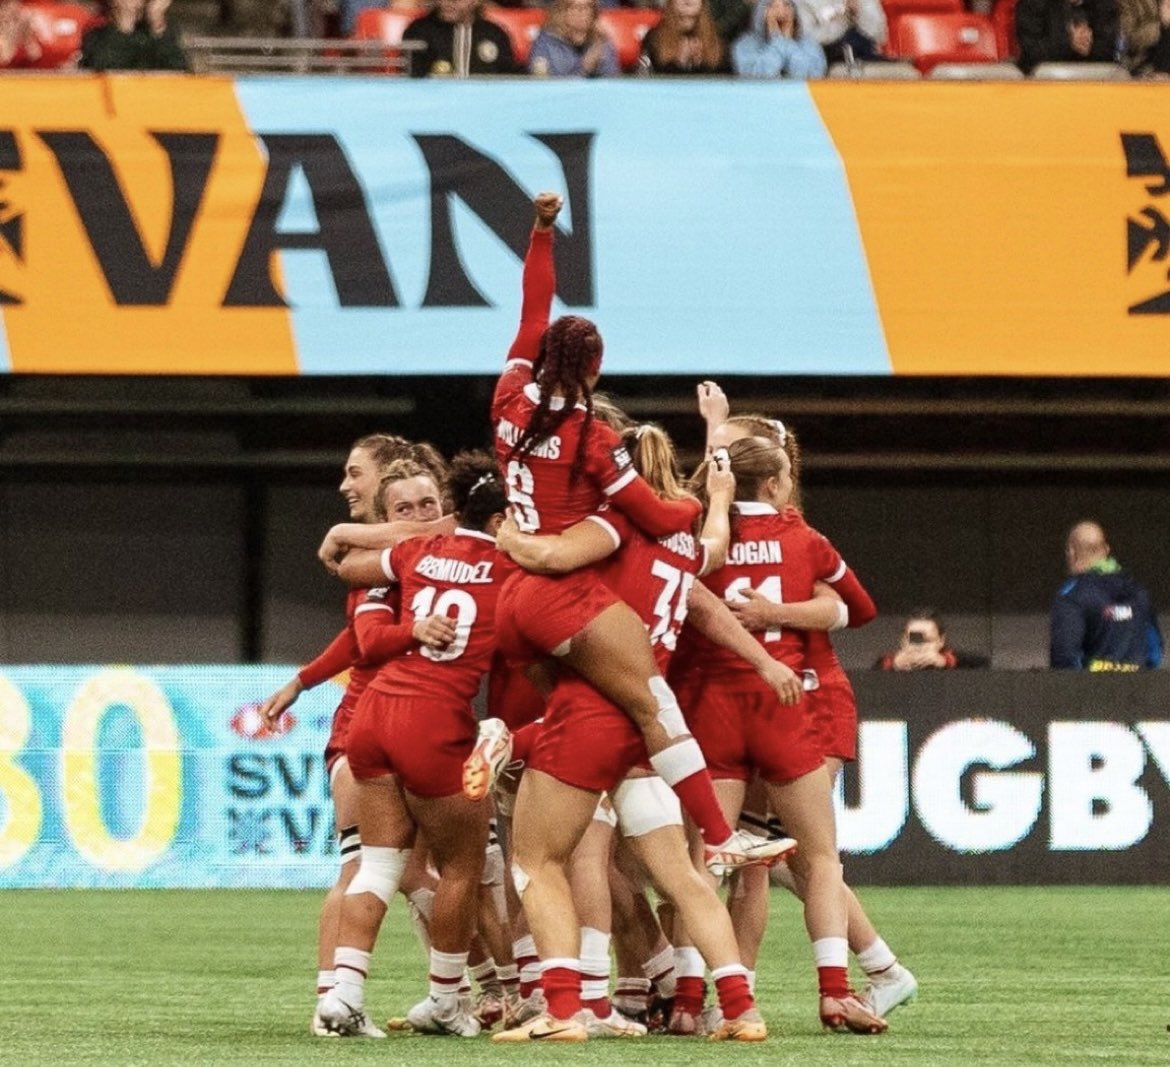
(532, 391)
(753, 507)
(464, 532)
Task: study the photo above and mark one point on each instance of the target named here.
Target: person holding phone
(924, 647)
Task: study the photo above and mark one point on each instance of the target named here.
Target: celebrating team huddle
(664, 709)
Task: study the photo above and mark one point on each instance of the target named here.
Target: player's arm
(345, 537)
(857, 600)
(380, 636)
(711, 617)
(716, 534)
(714, 408)
(824, 611)
(336, 657)
(586, 542)
(539, 280)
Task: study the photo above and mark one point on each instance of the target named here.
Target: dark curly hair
(570, 353)
(477, 491)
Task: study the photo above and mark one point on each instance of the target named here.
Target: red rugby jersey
(781, 557)
(544, 496)
(458, 575)
(653, 575)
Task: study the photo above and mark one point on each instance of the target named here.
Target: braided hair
(570, 353)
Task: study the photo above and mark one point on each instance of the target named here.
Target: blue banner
(158, 777)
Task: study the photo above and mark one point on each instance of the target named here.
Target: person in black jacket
(459, 41)
(136, 36)
(1102, 618)
(1066, 31)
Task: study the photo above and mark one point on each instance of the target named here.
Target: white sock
(594, 964)
(831, 952)
(751, 975)
(326, 980)
(351, 966)
(447, 972)
(876, 958)
(660, 970)
(688, 963)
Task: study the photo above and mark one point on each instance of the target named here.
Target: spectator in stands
(686, 41)
(572, 44)
(1145, 29)
(1102, 618)
(459, 41)
(135, 36)
(732, 17)
(847, 30)
(777, 45)
(19, 44)
(1066, 31)
(924, 647)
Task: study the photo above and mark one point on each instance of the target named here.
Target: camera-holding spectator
(1102, 619)
(19, 44)
(136, 36)
(1145, 29)
(924, 647)
(848, 30)
(459, 42)
(777, 46)
(1066, 31)
(686, 41)
(573, 44)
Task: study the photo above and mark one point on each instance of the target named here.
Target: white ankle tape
(670, 716)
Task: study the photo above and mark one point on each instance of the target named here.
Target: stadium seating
(943, 37)
(1003, 18)
(522, 25)
(977, 72)
(892, 71)
(627, 26)
(896, 8)
(59, 28)
(386, 24)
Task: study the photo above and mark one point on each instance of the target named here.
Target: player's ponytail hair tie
(781, 432)
(641, 431)
(484, 479)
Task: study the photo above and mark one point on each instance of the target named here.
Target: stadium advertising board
(375, 226)
(163, 777)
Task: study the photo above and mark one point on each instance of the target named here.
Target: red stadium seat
(59, 28)
(386, 24)
(1003, 18)
(896, 8)
(522, 25)
(627, 26)
(943, 37)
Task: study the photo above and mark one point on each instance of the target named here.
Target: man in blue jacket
(1102, 618)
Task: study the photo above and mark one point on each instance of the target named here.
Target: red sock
(689, 994)
(834, 981)
(562, 990)
(735, 995)
(601, 1008)
(696, 793)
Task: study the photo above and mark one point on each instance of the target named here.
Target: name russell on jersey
(681, 544)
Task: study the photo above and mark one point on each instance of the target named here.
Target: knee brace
(380, 872)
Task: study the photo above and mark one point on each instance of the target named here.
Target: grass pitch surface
(1007, 976)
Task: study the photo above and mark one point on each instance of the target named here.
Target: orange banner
(996, 220)
(130, 236)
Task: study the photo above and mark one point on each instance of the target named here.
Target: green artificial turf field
(1007, 976)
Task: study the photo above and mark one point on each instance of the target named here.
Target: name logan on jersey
(750, 552)
(458, 571)
(510, 433)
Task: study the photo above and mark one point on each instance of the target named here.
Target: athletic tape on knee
(644, 805)
(519, 879)
(670, 716)
(679, 761)
(349, 844)
(380, 872)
